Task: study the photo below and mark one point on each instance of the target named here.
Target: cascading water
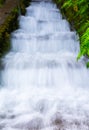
(43, 87)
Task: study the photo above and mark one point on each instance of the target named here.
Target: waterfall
(43, 86)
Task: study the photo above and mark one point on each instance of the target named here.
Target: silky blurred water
(43, 86)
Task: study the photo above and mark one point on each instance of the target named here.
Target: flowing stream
(43, 87)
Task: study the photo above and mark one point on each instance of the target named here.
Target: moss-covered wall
(5, 30)
(9, 25)
(77, 13)
(1, 2)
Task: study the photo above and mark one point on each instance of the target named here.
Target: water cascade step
(42, 85)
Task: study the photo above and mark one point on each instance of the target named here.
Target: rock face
(8, 21)
(6, 9)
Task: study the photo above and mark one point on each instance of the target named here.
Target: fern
(67, 4)
(77, 12)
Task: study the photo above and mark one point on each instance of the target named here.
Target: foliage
(77, 13)
(87, 65)
(1, 2)
(84, 48)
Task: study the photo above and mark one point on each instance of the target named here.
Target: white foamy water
(43, 87)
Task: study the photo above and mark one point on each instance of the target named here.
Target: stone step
(39, 60)
(21, 34)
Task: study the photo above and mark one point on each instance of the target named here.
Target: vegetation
(23, 4)
(77, 13)
(9, 25)
(1, 2)
(5, 30)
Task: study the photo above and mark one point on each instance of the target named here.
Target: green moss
(87, 65)
(5, 30)
(23, 4)
(1, 2)
(9, 25)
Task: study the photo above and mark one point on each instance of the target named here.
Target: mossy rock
(2, 2)
(5, 29)
(10, 24)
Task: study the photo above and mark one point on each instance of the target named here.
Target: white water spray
(43, 87)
